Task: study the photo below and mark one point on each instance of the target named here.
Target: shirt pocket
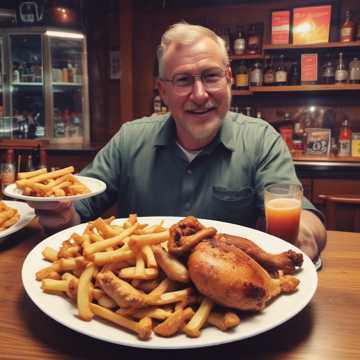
(235, 206)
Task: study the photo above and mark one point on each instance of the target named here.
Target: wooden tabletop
(328, 328)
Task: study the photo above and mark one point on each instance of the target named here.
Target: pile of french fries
(42, 183)
(124, 274)
(8, 216)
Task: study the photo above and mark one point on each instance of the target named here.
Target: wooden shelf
(241, 92)
(312, 46)
(247, 57)
(296, 88)
(293, 88)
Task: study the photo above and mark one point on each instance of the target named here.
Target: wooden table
(328, 328)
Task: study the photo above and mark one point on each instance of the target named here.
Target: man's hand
(55, 215)
(312, 234)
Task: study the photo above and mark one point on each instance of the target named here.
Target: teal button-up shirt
(148, 174)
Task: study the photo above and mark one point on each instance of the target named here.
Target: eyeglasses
(212, 79)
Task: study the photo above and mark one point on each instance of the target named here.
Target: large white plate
(26, 215)
(280, 310)
(96, 187)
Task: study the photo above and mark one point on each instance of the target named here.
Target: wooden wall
(135, 27)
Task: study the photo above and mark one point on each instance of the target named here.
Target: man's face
(198, 114)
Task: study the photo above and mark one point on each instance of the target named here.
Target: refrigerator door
(27, 86)
(68, 88)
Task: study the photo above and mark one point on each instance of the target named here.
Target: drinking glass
(282, 210)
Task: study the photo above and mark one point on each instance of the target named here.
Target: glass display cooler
(44, 85)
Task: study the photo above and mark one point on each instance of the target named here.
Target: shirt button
(188, 171)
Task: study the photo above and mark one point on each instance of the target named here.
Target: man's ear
(229, 75)
(162, 91)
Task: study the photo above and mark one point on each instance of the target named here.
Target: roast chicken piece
(287, 261)
(230, 277)
(185, 234)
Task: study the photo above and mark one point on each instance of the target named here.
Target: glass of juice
(282, 210)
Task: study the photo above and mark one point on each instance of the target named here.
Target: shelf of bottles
(271, 68)
(26, 89)
(67, 87)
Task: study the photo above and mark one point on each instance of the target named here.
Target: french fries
(42, 183)
(8, 216)
(125, 275)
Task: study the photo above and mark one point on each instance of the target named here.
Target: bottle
(256, 75)
(8, 171)
(347, 30)
(29, 163)
(242, 77)
(294, 74)
(253, 40)
(269, 72)
(36, 157)
(345, 136)
(281, 73)
(156, 104)
(354, 71)
(341, 73)
(248, 111)
(239, 43)
(328, 71)
(43, 158)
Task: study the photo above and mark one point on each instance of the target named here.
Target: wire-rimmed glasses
(213, 79)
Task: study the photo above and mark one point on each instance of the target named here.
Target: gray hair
(183, 33)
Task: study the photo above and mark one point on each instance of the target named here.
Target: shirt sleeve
(275, 165)
(106, 166)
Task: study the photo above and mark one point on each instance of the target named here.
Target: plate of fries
(14, 215)
(57, 185)
(59, 276)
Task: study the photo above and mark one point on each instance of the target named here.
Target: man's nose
(199, 93)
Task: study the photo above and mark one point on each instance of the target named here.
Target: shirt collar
(167, 133)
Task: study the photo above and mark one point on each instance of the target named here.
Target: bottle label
(239, 46)
(355, 74)
(341, 75)
(281, 76)
(344, 147)
(256, 77)
(242, 80)
(253, 40)
(269, 78)
(346, 34)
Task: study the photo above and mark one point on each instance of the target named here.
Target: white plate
(96, 187)
(280, 310)
(26, 215)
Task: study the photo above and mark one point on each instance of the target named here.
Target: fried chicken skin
(185, 234)
(122, 292)
(230, 277)
(287, 261)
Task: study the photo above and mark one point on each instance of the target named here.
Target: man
(201, 159)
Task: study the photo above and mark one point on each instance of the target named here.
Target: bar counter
(327, 328)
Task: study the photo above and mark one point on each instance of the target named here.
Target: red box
(287, 135)
(309, 68)
(311, 25)
(280, 27)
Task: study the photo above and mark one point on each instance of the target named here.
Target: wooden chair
(332, 203)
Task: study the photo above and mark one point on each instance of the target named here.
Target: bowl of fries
(14, 215)
(57, 185)
(105, 279)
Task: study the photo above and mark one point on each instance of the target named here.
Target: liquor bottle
(239, 43)
(281, 73)
(256, 75)
(345, 136)
(8, 171)
(36, 157)
(269, 72)
(242, 77)
(354, 71)
(294, 78)
(253, 40)
(156, 106)
(341, 73)
(248, 111)
(43, 158)
(347, 30)
(328, 71)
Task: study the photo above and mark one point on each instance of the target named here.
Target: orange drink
(282, 210)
